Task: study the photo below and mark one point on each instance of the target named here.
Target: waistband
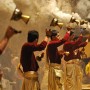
(73, 61)
(55, 65)
(30, 74)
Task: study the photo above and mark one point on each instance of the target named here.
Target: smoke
(45, 10)
(48, 8)
(41, 12)
(23, 2)
(15, 61)
(61, 9)
(83, 8)
(51, 8)
(6, 10)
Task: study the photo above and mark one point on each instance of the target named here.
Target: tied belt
(73, 61)
(28, 74)
(55, 65)
(31, 75)
(57, 69)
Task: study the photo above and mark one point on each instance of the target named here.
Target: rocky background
(41, 13)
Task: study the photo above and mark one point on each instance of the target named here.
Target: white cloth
(5, 84)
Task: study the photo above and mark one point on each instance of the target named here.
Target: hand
(81, 34)
(61, 52)
(48, 32)
(87, 40)
(69, 32)
(69, 28)
(42, 54)
(66, 53)
(10, 32)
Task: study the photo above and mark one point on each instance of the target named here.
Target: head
(33, 36)
(72, 35)
(54, 35)
(75, 38)
(69, 27)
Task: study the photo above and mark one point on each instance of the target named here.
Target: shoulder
(53, 42)
(27, 44)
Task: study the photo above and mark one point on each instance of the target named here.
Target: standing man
(55, 75)
(3, 43)
(73, 71)
(28, 60)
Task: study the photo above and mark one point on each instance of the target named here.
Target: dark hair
(54, 33)
(71, 33)
(32, 35)
(75, 38)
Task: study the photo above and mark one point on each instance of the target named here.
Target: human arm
(43, 44)
(61, 41)
(3, 43)
(83, 44)
(78, 41)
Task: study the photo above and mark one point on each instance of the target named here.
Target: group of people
(66, 76)
(61, 76)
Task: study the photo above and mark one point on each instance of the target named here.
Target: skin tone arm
(46, 38)
(48, 34)
(3, 43)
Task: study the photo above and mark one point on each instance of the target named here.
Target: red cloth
(28, 60)
(70, 46)
(52, 50)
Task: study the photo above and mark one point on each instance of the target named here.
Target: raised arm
(43, 44)
(3, 43)
(62, 41)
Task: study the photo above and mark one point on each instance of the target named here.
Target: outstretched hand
(87, 40)
(48, 33)
(10, 32)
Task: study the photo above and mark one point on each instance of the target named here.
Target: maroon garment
(52, 51)
(28, 60)
(70, 46)
(83, 44)
(78, 56)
